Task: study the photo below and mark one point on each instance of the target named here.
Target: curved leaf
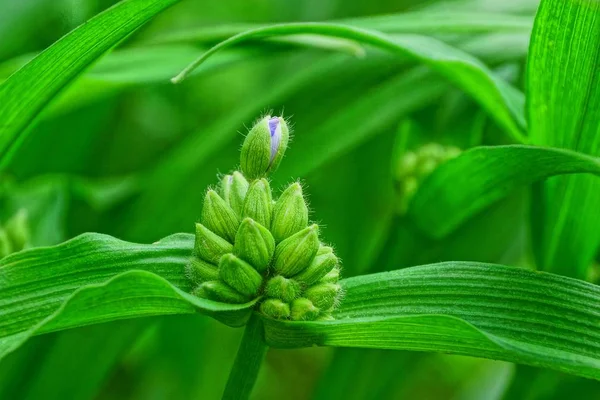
(502, 101)
(481, 310)
(564, 112)
(482, 175)
(54, 288)
(28, 91)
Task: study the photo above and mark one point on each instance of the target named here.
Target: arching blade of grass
(483, 175)
(29, 90)
(501, 100)
(419, 22)
(563, 109)
(475, 309)
(96, 278)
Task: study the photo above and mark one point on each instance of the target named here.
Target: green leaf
(483, 175)
(420, 22)
(501, 100)
(28, 91)
(54, 288)
(563, 108)
(481, 310)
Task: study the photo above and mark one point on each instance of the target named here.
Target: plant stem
(248, 360)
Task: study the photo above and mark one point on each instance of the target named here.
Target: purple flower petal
(275, 129)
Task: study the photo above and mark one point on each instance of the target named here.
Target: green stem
(248, 360)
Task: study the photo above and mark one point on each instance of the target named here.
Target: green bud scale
(252, 246)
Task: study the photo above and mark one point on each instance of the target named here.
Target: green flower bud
(452, 152)
(433, 151)
(295, 253)
(282, 288)
(332, 276)
(233, 190)
(426, 167)
(209, 246)
(264, 147)
(199, 271)
(304, 310)
(319, 267)
(219, 217)
(258, 203)
(324, 295)
(275, 308)
(254, 244)
(240, 275)
(290, 213)
(6, 246)
(218, 291)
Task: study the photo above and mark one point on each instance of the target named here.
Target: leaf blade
(475, 309)
(483, 175)
(28, 91)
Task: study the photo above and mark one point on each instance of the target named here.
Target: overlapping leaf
(96, 278)
(483, 175)
(475, 309)
(25, 93)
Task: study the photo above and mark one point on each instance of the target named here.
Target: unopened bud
(324, 295)
(219, 291)
(283, 288)
(319, 267)
(303, 310)
(264, 147)
(233, 190)
(332, 276)
(199, 271)
(254, 244)
(295, 253)
(209, 246)
(219, 217)
(290, 213)
(275, 308)
(258, 203)
(240, 275)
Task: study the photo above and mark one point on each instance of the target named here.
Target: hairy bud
(209, 246)
(275, 308)
(240, 275)
(283, 288)
(254, 244)
(258, 204)
(290, 213)
(295, 253)
(200, 271)
(324, 295)
(304, 310)
(219, 291)
(319, 267)
(233, 190)
(219, 217)
(264, 147)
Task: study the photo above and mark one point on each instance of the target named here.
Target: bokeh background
(127, 153)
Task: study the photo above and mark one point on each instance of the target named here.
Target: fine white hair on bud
(252, 246)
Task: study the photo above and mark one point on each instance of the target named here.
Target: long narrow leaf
(96, 278)
(483, 175)
(500, 99)
(28, 91)
(563, 108)
(475, 309)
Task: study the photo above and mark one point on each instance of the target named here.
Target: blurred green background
(125, 152)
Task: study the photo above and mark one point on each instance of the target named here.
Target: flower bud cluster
(14, 235)
(414, 166)
(249, 245)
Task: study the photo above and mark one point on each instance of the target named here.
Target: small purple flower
(275, 129)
